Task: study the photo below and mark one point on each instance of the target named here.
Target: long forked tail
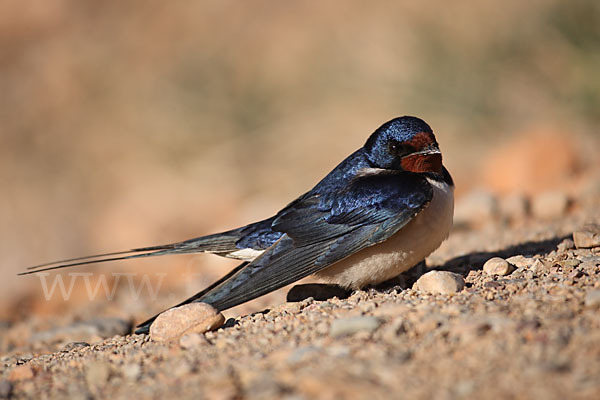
(220, 243)
(98, 258)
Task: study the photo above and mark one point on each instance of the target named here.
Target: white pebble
(443, 282)
(537, 266)
(497, 266)
(189, 318)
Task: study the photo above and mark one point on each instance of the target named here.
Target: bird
(378, 213)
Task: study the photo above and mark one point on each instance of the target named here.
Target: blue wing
(322, 230)
(319, 230)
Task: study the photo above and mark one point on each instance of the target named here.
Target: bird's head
(405, 144)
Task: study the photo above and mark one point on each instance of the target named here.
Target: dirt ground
(137, 123)
(533, 333)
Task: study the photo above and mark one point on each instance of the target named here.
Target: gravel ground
(533, 332)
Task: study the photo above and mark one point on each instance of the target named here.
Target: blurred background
(125, 124)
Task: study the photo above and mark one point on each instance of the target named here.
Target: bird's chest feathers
(406, 248)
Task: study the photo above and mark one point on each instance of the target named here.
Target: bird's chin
(423, 163)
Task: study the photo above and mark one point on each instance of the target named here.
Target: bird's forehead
(421, 140)
(404, 129)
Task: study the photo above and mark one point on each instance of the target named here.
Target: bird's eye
(398, 149)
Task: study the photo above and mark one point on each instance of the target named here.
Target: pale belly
(419, 238)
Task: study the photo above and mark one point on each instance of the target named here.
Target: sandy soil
(534, 333)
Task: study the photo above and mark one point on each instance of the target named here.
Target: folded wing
(320, 230)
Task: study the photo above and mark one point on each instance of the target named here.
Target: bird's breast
(383, 261)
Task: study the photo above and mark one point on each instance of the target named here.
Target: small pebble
(592, 298)
(349, 326)
(191, 340)
(549, 205)
(587, 237)
(497, 266)
(520, 261)
(538, 266)
(565, 245)
(443, 282)
(20, 373)
(189, 318)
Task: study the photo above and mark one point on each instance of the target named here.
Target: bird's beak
(430, 150)
(428, 159)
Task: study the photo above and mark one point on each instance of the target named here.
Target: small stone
(592, 298)
(514, 206)
(520, 261)
(549, 205)
(191, 340)
(6, 389)
(97, 373)
(350, 326)
(587, 237)
(565, 245)
(317, 291)
(538, 266)
(443, 282)
(497, 266)
(189, 318)
(20, 373)
(476, 207)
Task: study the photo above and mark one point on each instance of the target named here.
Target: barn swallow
(381, 211)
